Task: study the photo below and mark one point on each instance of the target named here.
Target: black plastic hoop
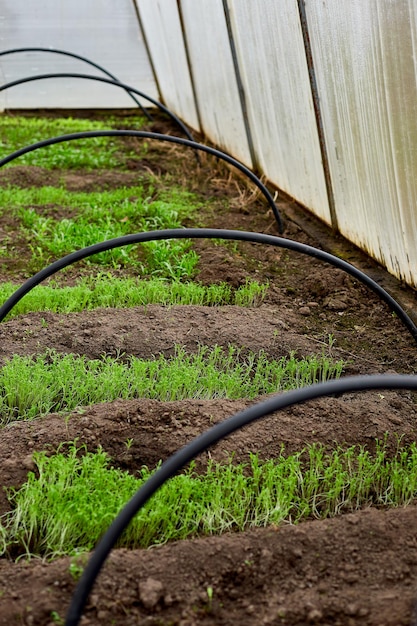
(80, 58)
(148, 135)
(108, 81)
(207, 233)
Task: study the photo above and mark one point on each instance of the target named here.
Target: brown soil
(360, 568)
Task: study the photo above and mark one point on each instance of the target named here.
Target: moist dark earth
(358, 568)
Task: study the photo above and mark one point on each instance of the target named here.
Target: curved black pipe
(148, 135)
(178, 460)
(101, 79)
(206, 233)
(80, 58)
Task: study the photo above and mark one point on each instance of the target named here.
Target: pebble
(304, 310)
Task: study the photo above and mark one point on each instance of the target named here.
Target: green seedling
(77, 566)
(71, 500)
(210, 598)
(98, 216)
(56, 618)
(105, 290)
(100, 152)
(62, 383)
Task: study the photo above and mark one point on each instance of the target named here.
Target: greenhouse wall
(365, 61)
(105, 31)
(169, 57)
(320, 97)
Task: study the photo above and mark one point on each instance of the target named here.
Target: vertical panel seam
(189, 65)
(148, 51)
(317, 113)
(241, 90)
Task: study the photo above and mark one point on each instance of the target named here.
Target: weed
(56, 618)
(210, 593)
(129, 443)
(77, 565)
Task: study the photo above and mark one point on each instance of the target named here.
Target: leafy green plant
(77, 565)
(97, 216)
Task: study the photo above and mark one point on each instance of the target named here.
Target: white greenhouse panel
(275, 78)
(162, 27)
(365, 56)
(106, 31)
(214, 77)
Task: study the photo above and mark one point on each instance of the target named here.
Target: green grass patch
(73, 500)
(98, 216)
(30, 387)
(106, 291)
(97, 153)
(127, 203)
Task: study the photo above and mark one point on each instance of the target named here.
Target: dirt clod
(150, 592)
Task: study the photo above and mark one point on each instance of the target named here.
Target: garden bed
(356, 568)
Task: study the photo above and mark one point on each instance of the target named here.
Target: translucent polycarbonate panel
(365, 57)
(162, 27)
(214, 76)
(272, 61)
(106, 31)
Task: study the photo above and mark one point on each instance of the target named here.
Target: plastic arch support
(207, 233)
(102, 79)
(80, 58)
(159, 137)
